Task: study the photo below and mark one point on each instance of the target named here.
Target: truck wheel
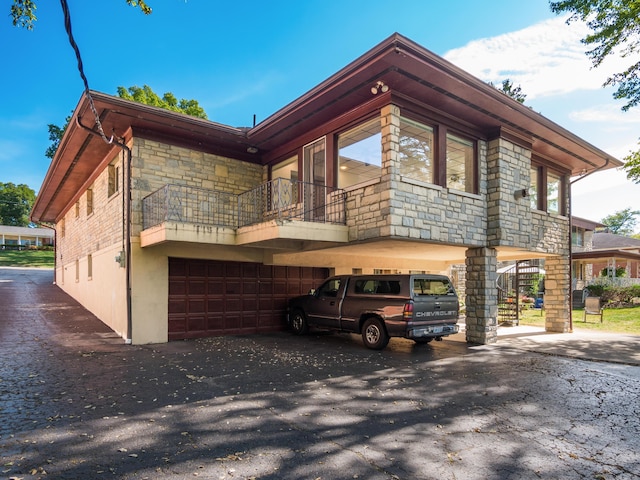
(422, 341)
(299, 323)
(374, 334)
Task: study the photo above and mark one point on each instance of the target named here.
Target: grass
(617, 320)
(27, 258)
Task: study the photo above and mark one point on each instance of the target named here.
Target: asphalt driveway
(76, 403)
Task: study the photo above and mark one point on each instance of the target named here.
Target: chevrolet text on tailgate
(418, 307)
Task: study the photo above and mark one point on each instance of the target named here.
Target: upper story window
(77, 208)
(416, 150)
(113, 186)
(360, 154)
(450, 164)
(547, 190)
(577, 236)
(89, 200)
(461, 171)
(553, 192)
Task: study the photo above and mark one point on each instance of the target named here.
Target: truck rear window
(377, 287)
(424, 286)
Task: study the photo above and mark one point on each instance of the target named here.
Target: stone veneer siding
(481, 296)
(401, 207)
(157, 164)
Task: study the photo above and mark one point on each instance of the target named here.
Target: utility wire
(74, 45)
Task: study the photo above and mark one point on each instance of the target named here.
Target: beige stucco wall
(98, 234)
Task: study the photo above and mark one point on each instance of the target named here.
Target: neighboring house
(582, 231)
(181, 227)
(13, 237)
(610, 256)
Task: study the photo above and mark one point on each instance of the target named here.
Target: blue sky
(244, 58)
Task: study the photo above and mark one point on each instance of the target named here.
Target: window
(452, 165)
(113, 180)
(77, 208)
(546, 189)
(416, 151)
(577, 236)
(424, 286)
(329, 288)
(553, 192)
(460, 164)
(533, 189)
(377, 287)
(360, 154)
(77, 270)
(89, 200)
(62, 228)
(89, 266)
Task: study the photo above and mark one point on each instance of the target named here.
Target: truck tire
(374, 335)
(299, 323)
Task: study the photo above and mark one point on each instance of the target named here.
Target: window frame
(543, 173)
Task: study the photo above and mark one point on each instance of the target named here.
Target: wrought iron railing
(278, 199)
(184, 204)
(291, 200)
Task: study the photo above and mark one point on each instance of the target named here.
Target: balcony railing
(184, 204)
(277, 199)
(291, 200)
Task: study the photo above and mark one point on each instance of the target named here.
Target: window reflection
(416, 150)
(360, 154)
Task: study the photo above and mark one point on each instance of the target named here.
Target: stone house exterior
(178, 227)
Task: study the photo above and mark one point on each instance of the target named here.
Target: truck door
(326, 307)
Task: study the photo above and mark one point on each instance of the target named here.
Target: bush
(595, 290)
(618, 297)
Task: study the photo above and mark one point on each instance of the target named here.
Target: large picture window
(416, 150)
(460, 164)
(360, 154)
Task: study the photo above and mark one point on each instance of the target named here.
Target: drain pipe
(571, 242)
(126, 208)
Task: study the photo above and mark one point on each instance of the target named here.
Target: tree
(23, 12)
(511, 90)
(141, 95)
(615, 30)
(15, 204)
(621, 222)
(168, 101)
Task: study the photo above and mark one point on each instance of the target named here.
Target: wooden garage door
(211, 298)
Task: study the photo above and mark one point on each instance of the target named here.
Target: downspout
(126, 209)
(571, 243)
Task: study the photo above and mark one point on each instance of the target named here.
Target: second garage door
(212, 298)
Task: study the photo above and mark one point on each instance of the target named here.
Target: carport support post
(482, 296)
(557, 285)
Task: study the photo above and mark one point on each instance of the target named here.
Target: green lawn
(27, 258)
(617, 320)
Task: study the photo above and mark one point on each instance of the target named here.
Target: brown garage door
(210, 298)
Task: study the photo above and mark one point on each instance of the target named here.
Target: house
(20, 237)
(610, 258)
(174, 227)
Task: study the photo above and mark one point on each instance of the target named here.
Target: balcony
(277, 214)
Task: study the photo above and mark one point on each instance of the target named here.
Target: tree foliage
(621, 222)
(168, 101)
(615, 30)
(15, 204)
(509, 88)
(23, 12)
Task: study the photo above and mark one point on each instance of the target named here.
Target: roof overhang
(414, 75)
(606, 254)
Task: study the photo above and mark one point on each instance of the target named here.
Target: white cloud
(606, 113)
(545, 59)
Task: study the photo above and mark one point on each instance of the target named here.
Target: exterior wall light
(380, 86)
(521, 193)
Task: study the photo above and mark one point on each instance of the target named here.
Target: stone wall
(481, 296)
(156, 164)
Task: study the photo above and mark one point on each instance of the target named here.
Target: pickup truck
(419, 307)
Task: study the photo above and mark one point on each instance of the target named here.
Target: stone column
(556, 294)
(482, 296)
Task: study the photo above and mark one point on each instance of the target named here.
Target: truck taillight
(407, 313)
